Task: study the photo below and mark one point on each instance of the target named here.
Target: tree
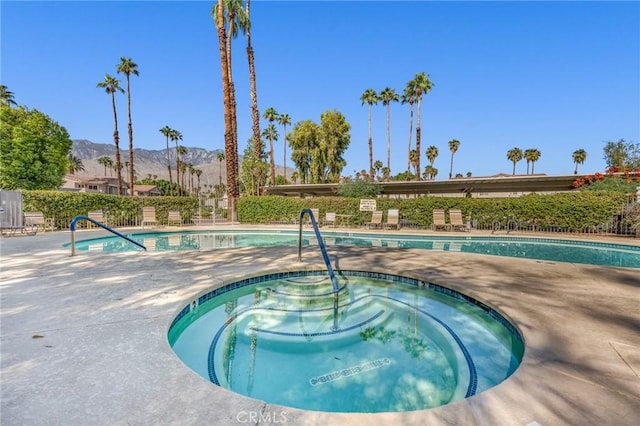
(579, 156)
(167, 132)
(377, 165)
(6, 96)
(220, 158)
(370, 97)
(333, 140)
(303, 139)
(453, 147)
(409, 96)
(255, 113)
(181, 152)
(128, 67)
(175, 137)
(285, 120)
(532, 156)
(271, 115)
(622, 154)
(198, 173)
(106, 162)
(111, 85)
(414, 157)
(514, 155)
(422, 86)
(431, 153)
(388, 95)
(254, 170)
(74, 164)
(34, 149)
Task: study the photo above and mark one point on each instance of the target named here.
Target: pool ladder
(75, 220)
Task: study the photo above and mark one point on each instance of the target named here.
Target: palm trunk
(389, 135)
(272, 162)
(419, 154)
(130, 129)
(410, 134)
(169, 168)
(116, 141)
(451, 166)
(255, 113)
(370, 147)
(284, 143)
(178, 192)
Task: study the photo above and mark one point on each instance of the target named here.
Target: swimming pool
(548, 249)
(389, 344)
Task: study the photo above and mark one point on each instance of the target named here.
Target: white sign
(367, 205)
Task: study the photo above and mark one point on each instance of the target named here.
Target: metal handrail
(72, 226)
(323, 250)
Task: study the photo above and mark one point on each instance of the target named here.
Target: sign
(367, 205)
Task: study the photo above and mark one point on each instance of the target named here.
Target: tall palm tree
(377, 165)
(453, 147)
(176, 136)
(409, 97)
(255, 113)
(388, 95)
(106, 162)
(220, 158)
(432, 154)
(271, 115)
(74, 164)
(285, 120)
(422, 86)
(370, 97)
(128, 67)
(534, 155)
(579, 156)
(527, 156)
(111, 85)
(414, 157)
(167, 131)
(181, 152)
(514, 155)
(198, 174)
(6, 96)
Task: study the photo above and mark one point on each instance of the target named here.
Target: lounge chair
(96, 215)
(316, 216)
(393, 219)
(376, 220)
(149, 216)
(174, 218)
(330, 219)
(455, 220)
(37, 219)
(439, 220)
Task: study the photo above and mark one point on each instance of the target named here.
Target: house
(99, 184)
(146, 191)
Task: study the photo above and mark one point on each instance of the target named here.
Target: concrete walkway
(84, 339)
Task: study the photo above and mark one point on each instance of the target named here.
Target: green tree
(414, 157)
(422, 86)
(432, 154)
(514, 155)
(6, 96)
(453, 147)
(128, 67)
(622, 154)
(254, 169)
(377, 165)
(220, 158)
(303, 140)
(370, 97)
(579, 156)
(74, 164)
(271, 115)
(284, 120)
(409, 97)
(167, 132)
(388, 95)
(111, 85)
(33, 150)
(334, 138)
(107, 163)
(255, 113)
(181, 152)
(532, 156)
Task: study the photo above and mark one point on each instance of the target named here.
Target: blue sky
(556, 76)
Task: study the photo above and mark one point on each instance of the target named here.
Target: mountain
(152, 162)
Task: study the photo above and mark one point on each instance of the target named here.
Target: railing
(323, 250)
(75, 220)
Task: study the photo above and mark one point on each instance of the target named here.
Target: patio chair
(376, 220)
(149, 216)
(316, 216)
(393, 219)
(439, 220)
(96, 215)
(174, 218)
(37, 220)
(455, 220)
(330, 219)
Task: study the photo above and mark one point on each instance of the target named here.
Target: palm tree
(453, 147)
(432, 154)
(6, 96)
(198, 174)
(220, 158)
(106, 162)
(111, 85)
(534, 155)
(370, 97)
(377, 165)
(514, 155)
(579, 156)
(255, 113)
(422, 85)
(527, 156)
(409, 96)
(414, 157)
(388, 95)
(271, 115)
(75, 164)
(167, 131)
(128, 67)
(285, 120)
(176, 136)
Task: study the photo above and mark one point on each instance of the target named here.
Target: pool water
(574, 251)
(391, 344)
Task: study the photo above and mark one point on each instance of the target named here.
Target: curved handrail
(323, 250)
(75, 220)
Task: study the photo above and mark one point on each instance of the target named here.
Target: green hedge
(573, 211)
(119, 211)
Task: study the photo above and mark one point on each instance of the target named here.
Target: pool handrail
(323, 249)
(75, 220)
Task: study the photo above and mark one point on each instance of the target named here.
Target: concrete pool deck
(83, 339)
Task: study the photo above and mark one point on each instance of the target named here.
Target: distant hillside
(152, 162)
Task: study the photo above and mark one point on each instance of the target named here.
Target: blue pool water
(574, 251)
(390, 344)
